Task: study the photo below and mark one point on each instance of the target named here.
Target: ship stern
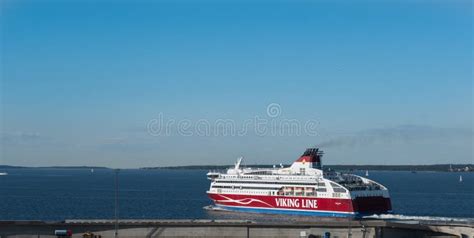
(372, 205)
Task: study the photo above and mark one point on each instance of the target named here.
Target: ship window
(335, 185)
(337, 188)
(336, 195)
(302, 171)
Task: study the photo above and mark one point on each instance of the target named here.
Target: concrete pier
(236, 228)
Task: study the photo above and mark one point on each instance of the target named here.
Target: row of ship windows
(261, 173)
(339, 190)
(260, 182)
(252, 192)
(253, 177)
(285, 194)
(241, 187)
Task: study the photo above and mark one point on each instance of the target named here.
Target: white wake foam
(214, 208)
(419, 218)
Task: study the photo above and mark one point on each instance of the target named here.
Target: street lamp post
(116, 202)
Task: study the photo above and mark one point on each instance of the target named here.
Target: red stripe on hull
(358, 205)
(281, 202)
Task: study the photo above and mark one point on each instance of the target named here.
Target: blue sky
(81, 80)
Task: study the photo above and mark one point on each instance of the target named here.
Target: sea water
(58, 194)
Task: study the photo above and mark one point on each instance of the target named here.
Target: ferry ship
(302, 189)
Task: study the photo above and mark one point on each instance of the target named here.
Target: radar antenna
(237, 164)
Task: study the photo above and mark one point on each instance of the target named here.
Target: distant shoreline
(433, 167)
(413, 168)
(52, 167)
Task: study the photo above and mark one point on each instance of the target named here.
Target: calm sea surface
(57, 194)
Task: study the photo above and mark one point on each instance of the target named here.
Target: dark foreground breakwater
(235, 228)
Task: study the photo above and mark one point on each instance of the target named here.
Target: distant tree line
(433, 167)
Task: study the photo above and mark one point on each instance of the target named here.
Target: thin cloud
(399, 134)
(22, 138)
